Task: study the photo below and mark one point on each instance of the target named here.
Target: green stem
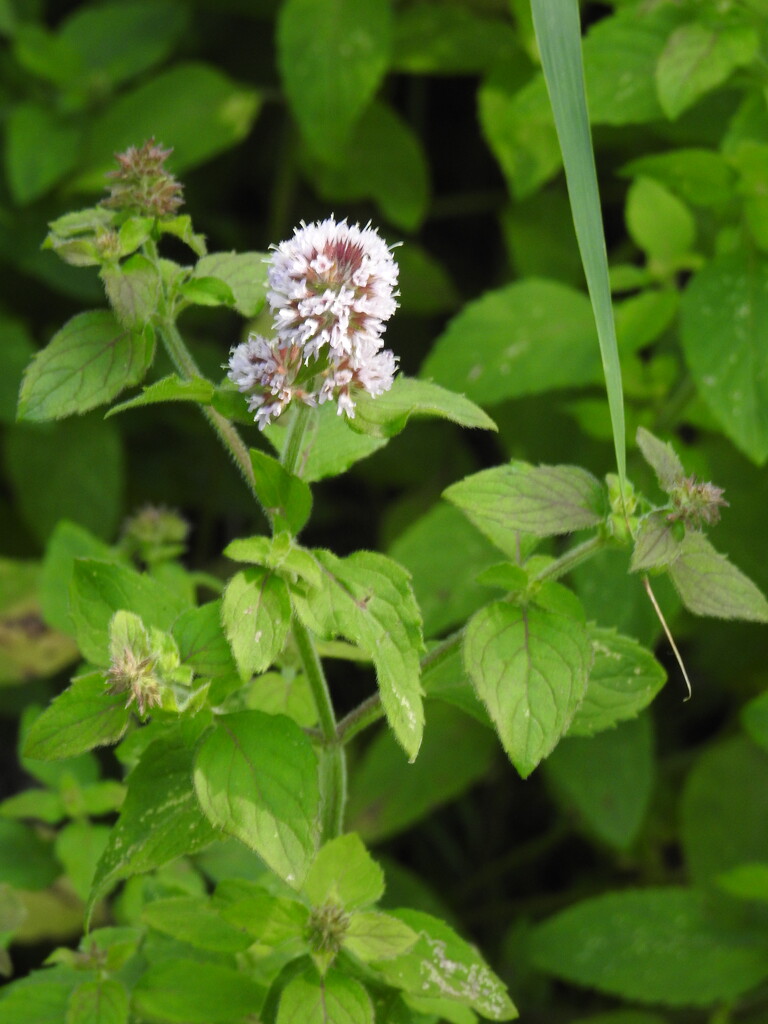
(227, 432)
(333, 766)
(573, 557)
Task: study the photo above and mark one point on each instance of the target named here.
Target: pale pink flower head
(332, 288)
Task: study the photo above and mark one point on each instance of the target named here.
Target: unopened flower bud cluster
(331, 290)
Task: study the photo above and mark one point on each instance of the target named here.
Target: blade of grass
(558, 33)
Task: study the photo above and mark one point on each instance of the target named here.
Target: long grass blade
(558, 33)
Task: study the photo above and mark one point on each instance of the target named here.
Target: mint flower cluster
(331, 289)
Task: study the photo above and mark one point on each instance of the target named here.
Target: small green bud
(155, 534)
(325, 933)
(142, 185)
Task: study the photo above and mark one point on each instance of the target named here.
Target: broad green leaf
(207, 291)
(245, 273)
(119, 40)
(558, 33)
(723, 308)
(99, 589)
(699, 176)
(26, 860)
(384, 160)
(40, 998)
(329, 446)
(442, 965)
(522, 339)
(444, 553)
(607, 779)
(269, 919)
(386, 795)
(102, 1001)
(530, 668)
(372, 935)
(698, 58)
(625, 677)
(39, 804)
(196, 921)
(332, 56)
(202, 643)
(32, 169)
(651, 945)
(286, 498)
(282, 693)
(659, 223)
(662, 458)
(280, 553)
(620, 55)
(367, 599)
(724, 809)
(160, 819)
(746, 881)
(133, 290)
(81, 462)
(642, 319)
(657, 543)
(89, 361)
(388, 414)
(541, 500)
(169, 389)
(334, 998)
(344, 872)
(256, 778)
(750, 160)
(711, 585)
(67, 543)
(194, 992)
(192, 107)
(84, 716)
(436, 38)
(517, 123)
(256, 612)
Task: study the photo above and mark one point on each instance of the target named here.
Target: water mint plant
(385, 753)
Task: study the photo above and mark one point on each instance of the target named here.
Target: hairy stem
(227, 432)
(571, 558)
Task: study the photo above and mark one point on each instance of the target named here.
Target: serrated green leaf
(651, 945)
(372, 935)
(196, 921)
(389, 413)
(133, 290)
(443, 965)
(84, 716)
(191, 992)
(723, 308)
(607, 779)
(522, 339)
(160, 819)
(202, 643)
(269, 919)
(334, 998)
(245, 273)
(89, 361)
(67, 543)
(102, 1001)
(169, 389)
(280, 553)
(367, 599)
(39, 998)
(724, 809)
(256, 612)
(207, 291)
(657, 543)
(541, 500)
(99, 589)
(530, 668)
(344, 872)
(624, 679)
(709, 584)
(662, 458)
(286, 498)
(698, 58)
(332, 57)
(700, 176)
(256, 778)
